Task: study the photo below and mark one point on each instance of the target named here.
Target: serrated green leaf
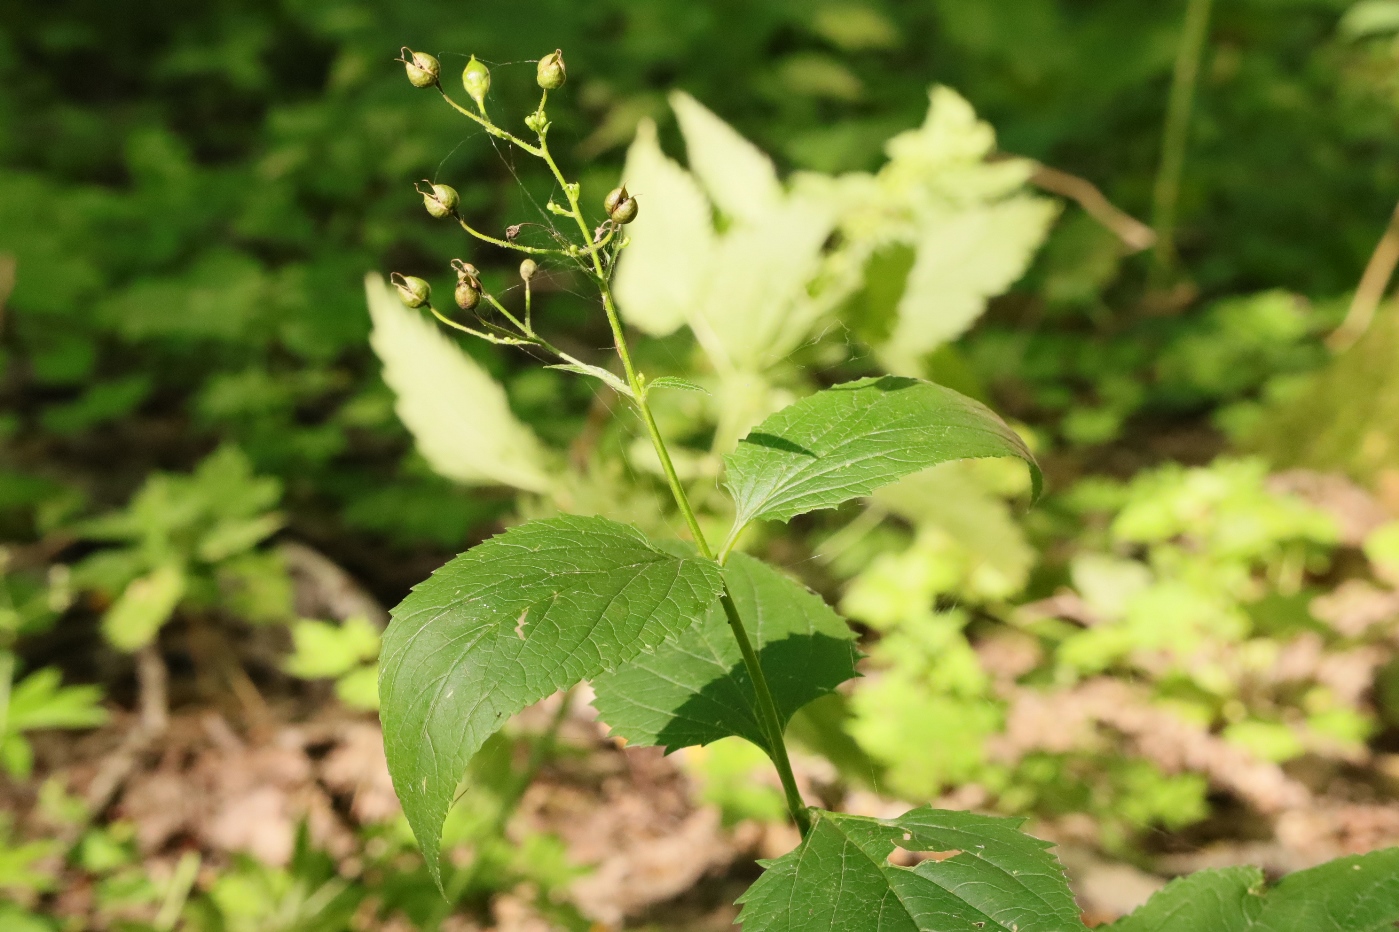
(534, 610)
(694, 689)
(457, 413)
(145, 605)
(1226, 900)
(840, 878)
(1353, 894)
(849, 440)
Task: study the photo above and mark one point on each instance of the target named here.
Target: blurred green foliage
(193, 192)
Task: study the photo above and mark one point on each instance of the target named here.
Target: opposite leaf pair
(554, 602)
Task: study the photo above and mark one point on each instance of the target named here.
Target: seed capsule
(414, 291)
(528, 268)
(422, 68)
(441, 200)
(467, 294)
(477, 81)
(620, 205)
(551, 73)
(465, 270)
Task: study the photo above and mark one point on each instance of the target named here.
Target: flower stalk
(596, 255)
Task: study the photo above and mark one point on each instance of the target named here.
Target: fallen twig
(1135, 235)
(1368, 294)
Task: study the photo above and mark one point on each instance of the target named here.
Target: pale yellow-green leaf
(964, 257)
(322, 650)
(145, 605)
(359, 689)
(456, 412)
(755, 309)
(235, 535)
(948, 497)
(741, 180)
(660, 273)
(946, 156)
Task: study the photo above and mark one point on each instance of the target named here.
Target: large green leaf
(849, 440)
(1218, 900)
(536, 609)
(695, 689)
(840, 878)
(1353, 894)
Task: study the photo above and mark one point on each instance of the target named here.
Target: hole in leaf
(903, 857)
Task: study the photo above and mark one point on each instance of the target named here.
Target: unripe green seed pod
(620, 205)
(477, 81)
(414, 291)
(422, 68)
(528, 268)
(467, 294)
(551, 73)
(441, 200)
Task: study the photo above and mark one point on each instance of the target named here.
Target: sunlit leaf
(40, 700)
(534, 610)
(739, 178)
(1353, 894)
(661, 273)
(752, 312)
(322, 649)
(963, 257)
(457, 413)
(839, 879)
(145, 605)
(853, 438)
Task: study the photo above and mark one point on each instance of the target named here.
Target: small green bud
(537, 121)
(422, 68)
(414, 291)
(551, 73)
(441, 200)
(528, 268)
(477, 81)
(467, 294)
(620, 205)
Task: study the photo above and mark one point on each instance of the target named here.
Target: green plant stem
(767, 710)
(489, 126)
(1166, 196)
(7, 673)
(505, 243)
